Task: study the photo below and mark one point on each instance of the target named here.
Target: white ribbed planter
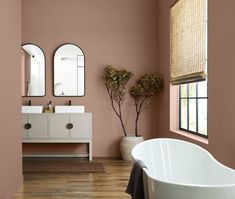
(127, 144)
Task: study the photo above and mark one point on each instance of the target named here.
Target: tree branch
(119, 112)
(110, 93)
(138, 108)
(141, 103)
(144, 108)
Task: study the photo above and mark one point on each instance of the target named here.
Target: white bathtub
(181, 170)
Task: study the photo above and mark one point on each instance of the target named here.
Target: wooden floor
(111, 184)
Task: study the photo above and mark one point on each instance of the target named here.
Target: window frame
(197, 116)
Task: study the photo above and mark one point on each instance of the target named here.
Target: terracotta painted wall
(122, 33)
(221, 91)
(10, 135)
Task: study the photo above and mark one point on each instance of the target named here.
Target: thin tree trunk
(118, 113)
(138, 107)
(137, 117)
(136, 124)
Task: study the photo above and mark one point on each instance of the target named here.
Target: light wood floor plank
(108, 185)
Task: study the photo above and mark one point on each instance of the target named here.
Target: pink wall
(122, 33)
(221, 92)
(10, 135)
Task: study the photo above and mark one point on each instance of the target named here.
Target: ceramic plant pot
(127, 144)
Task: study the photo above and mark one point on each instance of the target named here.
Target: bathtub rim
(183, 184)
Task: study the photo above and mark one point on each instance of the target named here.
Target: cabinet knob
(27, 126)
(69, 126)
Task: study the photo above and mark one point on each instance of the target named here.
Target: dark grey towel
(135, 185)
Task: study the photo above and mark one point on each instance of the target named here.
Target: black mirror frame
(54, 71)
(45, 90)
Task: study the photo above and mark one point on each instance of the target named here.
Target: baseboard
(15, 187)
(56, 155)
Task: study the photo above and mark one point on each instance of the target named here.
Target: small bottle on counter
(49, 108)
(49, 105)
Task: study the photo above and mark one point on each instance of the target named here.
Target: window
(189, 44)
(188, 41)
(193, 108)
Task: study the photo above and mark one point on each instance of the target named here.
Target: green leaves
(147, 85)
(116, 81)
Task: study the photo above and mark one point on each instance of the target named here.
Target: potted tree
(115, 82)
(146, 86)
(144, 89)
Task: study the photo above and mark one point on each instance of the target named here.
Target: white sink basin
(69, 109)
(31, 109)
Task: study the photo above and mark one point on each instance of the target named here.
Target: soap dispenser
(49, 108)
(49, 105)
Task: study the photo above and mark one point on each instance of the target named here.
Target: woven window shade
(188, 41)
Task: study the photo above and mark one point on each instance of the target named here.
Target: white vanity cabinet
(57, 128)
(80, 129)
(35, 126)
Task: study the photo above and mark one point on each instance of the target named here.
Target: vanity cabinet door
(37, 126)
(24, 124)
(81, 126)
(58, 126)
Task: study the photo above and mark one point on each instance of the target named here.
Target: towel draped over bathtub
(135, 185)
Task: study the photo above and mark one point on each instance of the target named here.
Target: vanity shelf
(58, 128)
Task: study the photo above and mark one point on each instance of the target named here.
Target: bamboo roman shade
(188, 41)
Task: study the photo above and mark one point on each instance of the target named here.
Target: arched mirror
(32, 71)
(69, 71)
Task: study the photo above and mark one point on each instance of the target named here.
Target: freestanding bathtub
(181, 170)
